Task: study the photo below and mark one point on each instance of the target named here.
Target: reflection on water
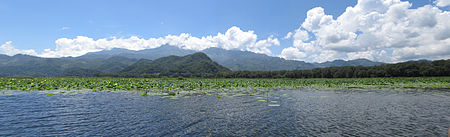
(284, 113)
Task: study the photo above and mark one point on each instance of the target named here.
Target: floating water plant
(51, 93)
(144, 94)
(172, 93)
(250, 87)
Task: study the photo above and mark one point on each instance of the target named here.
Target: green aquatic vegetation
(274, 105)
(172, 94)
(144, 94)
(51, 93)
(192, 86)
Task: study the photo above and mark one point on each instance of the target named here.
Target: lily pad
(273, 105)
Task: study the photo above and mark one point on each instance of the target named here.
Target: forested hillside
(405, 69)
(193, 65)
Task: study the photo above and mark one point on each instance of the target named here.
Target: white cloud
(288, 35)
(381, 30)
(64, 28)
(233, 39)
(442, 3)
(262, 45)
(293, 53)
(8, 49)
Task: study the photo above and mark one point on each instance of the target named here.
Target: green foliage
(174, 86)
(405, 69)
(144, 94)
(51, 93)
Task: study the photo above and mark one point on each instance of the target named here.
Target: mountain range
(118, 60)
(232, 59)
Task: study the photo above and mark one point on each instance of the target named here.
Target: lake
(407, 112)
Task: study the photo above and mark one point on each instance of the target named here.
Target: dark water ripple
(301, 113)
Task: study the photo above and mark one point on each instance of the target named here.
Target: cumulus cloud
(8, 49)
(381, 30)
(442, 3)
(233, 39)
(288, 35)
(293, 53)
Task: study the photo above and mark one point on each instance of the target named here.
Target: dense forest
(405, 69)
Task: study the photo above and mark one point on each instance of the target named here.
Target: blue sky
(36, 25)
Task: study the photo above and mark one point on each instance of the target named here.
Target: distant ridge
(356, 62)
(24, 65)
(151, 54)
(245, 60)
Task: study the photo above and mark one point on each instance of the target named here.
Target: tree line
(405, 69)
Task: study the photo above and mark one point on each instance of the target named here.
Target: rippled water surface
(281, 113)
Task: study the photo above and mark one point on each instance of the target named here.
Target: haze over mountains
(118, 60)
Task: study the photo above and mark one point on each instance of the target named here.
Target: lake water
(285, 113)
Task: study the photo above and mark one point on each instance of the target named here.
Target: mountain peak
(192, 65)
(198, 56)
(22, 55)
(3, 55)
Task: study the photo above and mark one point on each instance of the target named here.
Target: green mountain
(80, 72)
(244, 60)
(356, 62)
(114, 64)
(44, 68)
(18, 59)
(232, 59)
(25, 65)
(192, 65)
